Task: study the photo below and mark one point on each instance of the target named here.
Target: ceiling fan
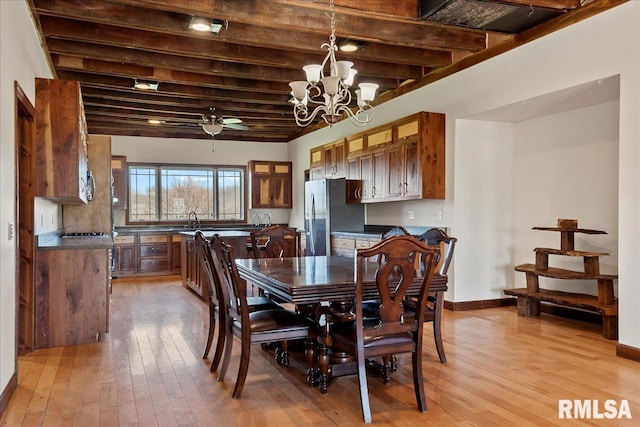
(213, 125)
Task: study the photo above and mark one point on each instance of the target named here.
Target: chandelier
(330, 95)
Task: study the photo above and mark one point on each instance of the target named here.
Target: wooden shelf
(561, 273)
(605, 303)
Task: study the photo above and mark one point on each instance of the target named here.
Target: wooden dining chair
(435, 301)
(275, 241)
(391, 333)
(264, 326)
(216, 297)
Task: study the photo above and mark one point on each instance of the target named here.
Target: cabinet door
(412, 170)
(395, 171)
(379, 174)
(281, 187)
(366, 175)
(334, 160)
(125, 256)
(119, 175)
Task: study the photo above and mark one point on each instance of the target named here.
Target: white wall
(21, 60)
(545, 66)
(201, 151)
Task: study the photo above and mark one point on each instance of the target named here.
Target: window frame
(159, 167)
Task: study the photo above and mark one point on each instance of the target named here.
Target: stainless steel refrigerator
(326, 210)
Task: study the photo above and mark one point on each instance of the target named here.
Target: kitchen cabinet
(345, 244)
(71, 296)
(271, 184)
(153, 253)
(191, 272)
(176, 256)
(334, 158)
(124, 254)
(61, 143)
(119, 185)
(316, 163)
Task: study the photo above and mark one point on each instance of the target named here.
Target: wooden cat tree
(604, 303)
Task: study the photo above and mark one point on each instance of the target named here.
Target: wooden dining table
(318, 285)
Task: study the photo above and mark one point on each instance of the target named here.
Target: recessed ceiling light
(351, 45)
(207, 25)
(145, 84)
(156, 122)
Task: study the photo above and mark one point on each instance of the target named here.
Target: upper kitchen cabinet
(334, 158)
(270, 184)
(316, 163)
(401, 161)
(119, 176)
(61, 143)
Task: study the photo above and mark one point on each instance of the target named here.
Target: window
(169, 193)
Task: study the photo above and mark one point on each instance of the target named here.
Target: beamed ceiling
(244, 71)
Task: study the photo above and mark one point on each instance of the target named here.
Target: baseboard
(628, 352)
(8, 392)
(476, 305)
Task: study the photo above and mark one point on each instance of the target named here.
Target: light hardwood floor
(502, 370)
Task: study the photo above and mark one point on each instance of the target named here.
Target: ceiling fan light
(212, 128)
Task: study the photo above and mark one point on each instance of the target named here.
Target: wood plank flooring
(502, 370)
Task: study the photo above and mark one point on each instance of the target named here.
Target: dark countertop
(222, 233)
(54, 241)
(182, 229)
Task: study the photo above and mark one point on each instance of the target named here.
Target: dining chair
(391, 333)
(264, 326)
(435, 301)
(216, 297)
(275, 241)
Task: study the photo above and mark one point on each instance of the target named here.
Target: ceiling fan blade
(231, 120)
(236, 126)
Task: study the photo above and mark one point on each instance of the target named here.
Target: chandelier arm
(302, 116)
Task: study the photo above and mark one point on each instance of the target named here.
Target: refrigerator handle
(312, 225)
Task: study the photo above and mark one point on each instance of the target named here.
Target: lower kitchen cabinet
(345, 244)
(71, 296)
(153, 253)
(124, 255)
(191, 271)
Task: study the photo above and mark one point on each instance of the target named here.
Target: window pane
(187, 190)
(230, 194)
(169, 193)
(142, 194)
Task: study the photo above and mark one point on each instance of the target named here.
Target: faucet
(196, 221)
(267, 219)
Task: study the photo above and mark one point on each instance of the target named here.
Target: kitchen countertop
(222, 233)
(54, 241)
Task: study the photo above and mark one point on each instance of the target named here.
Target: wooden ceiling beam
(306, 17)
(101, 34)
(172, 23)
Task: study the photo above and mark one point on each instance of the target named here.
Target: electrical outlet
(410, 214)
(439, 215)
(11, 231)
(41, 220)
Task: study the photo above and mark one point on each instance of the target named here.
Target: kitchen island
(191, 270)
(71, 294)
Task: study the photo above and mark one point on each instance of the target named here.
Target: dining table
(321, 285)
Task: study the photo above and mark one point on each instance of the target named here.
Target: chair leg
(364, 389)
(212, 328)
(245, 354)
(282, 354)
(228, 346)
(220, 344)
(437, 321)
(418, 381)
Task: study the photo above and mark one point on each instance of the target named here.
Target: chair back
(280, 242)
(227, 271)
(396, 231)
(446, 243)
(212, 286)
(394, 275)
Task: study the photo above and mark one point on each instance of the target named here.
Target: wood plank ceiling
(244, 71)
